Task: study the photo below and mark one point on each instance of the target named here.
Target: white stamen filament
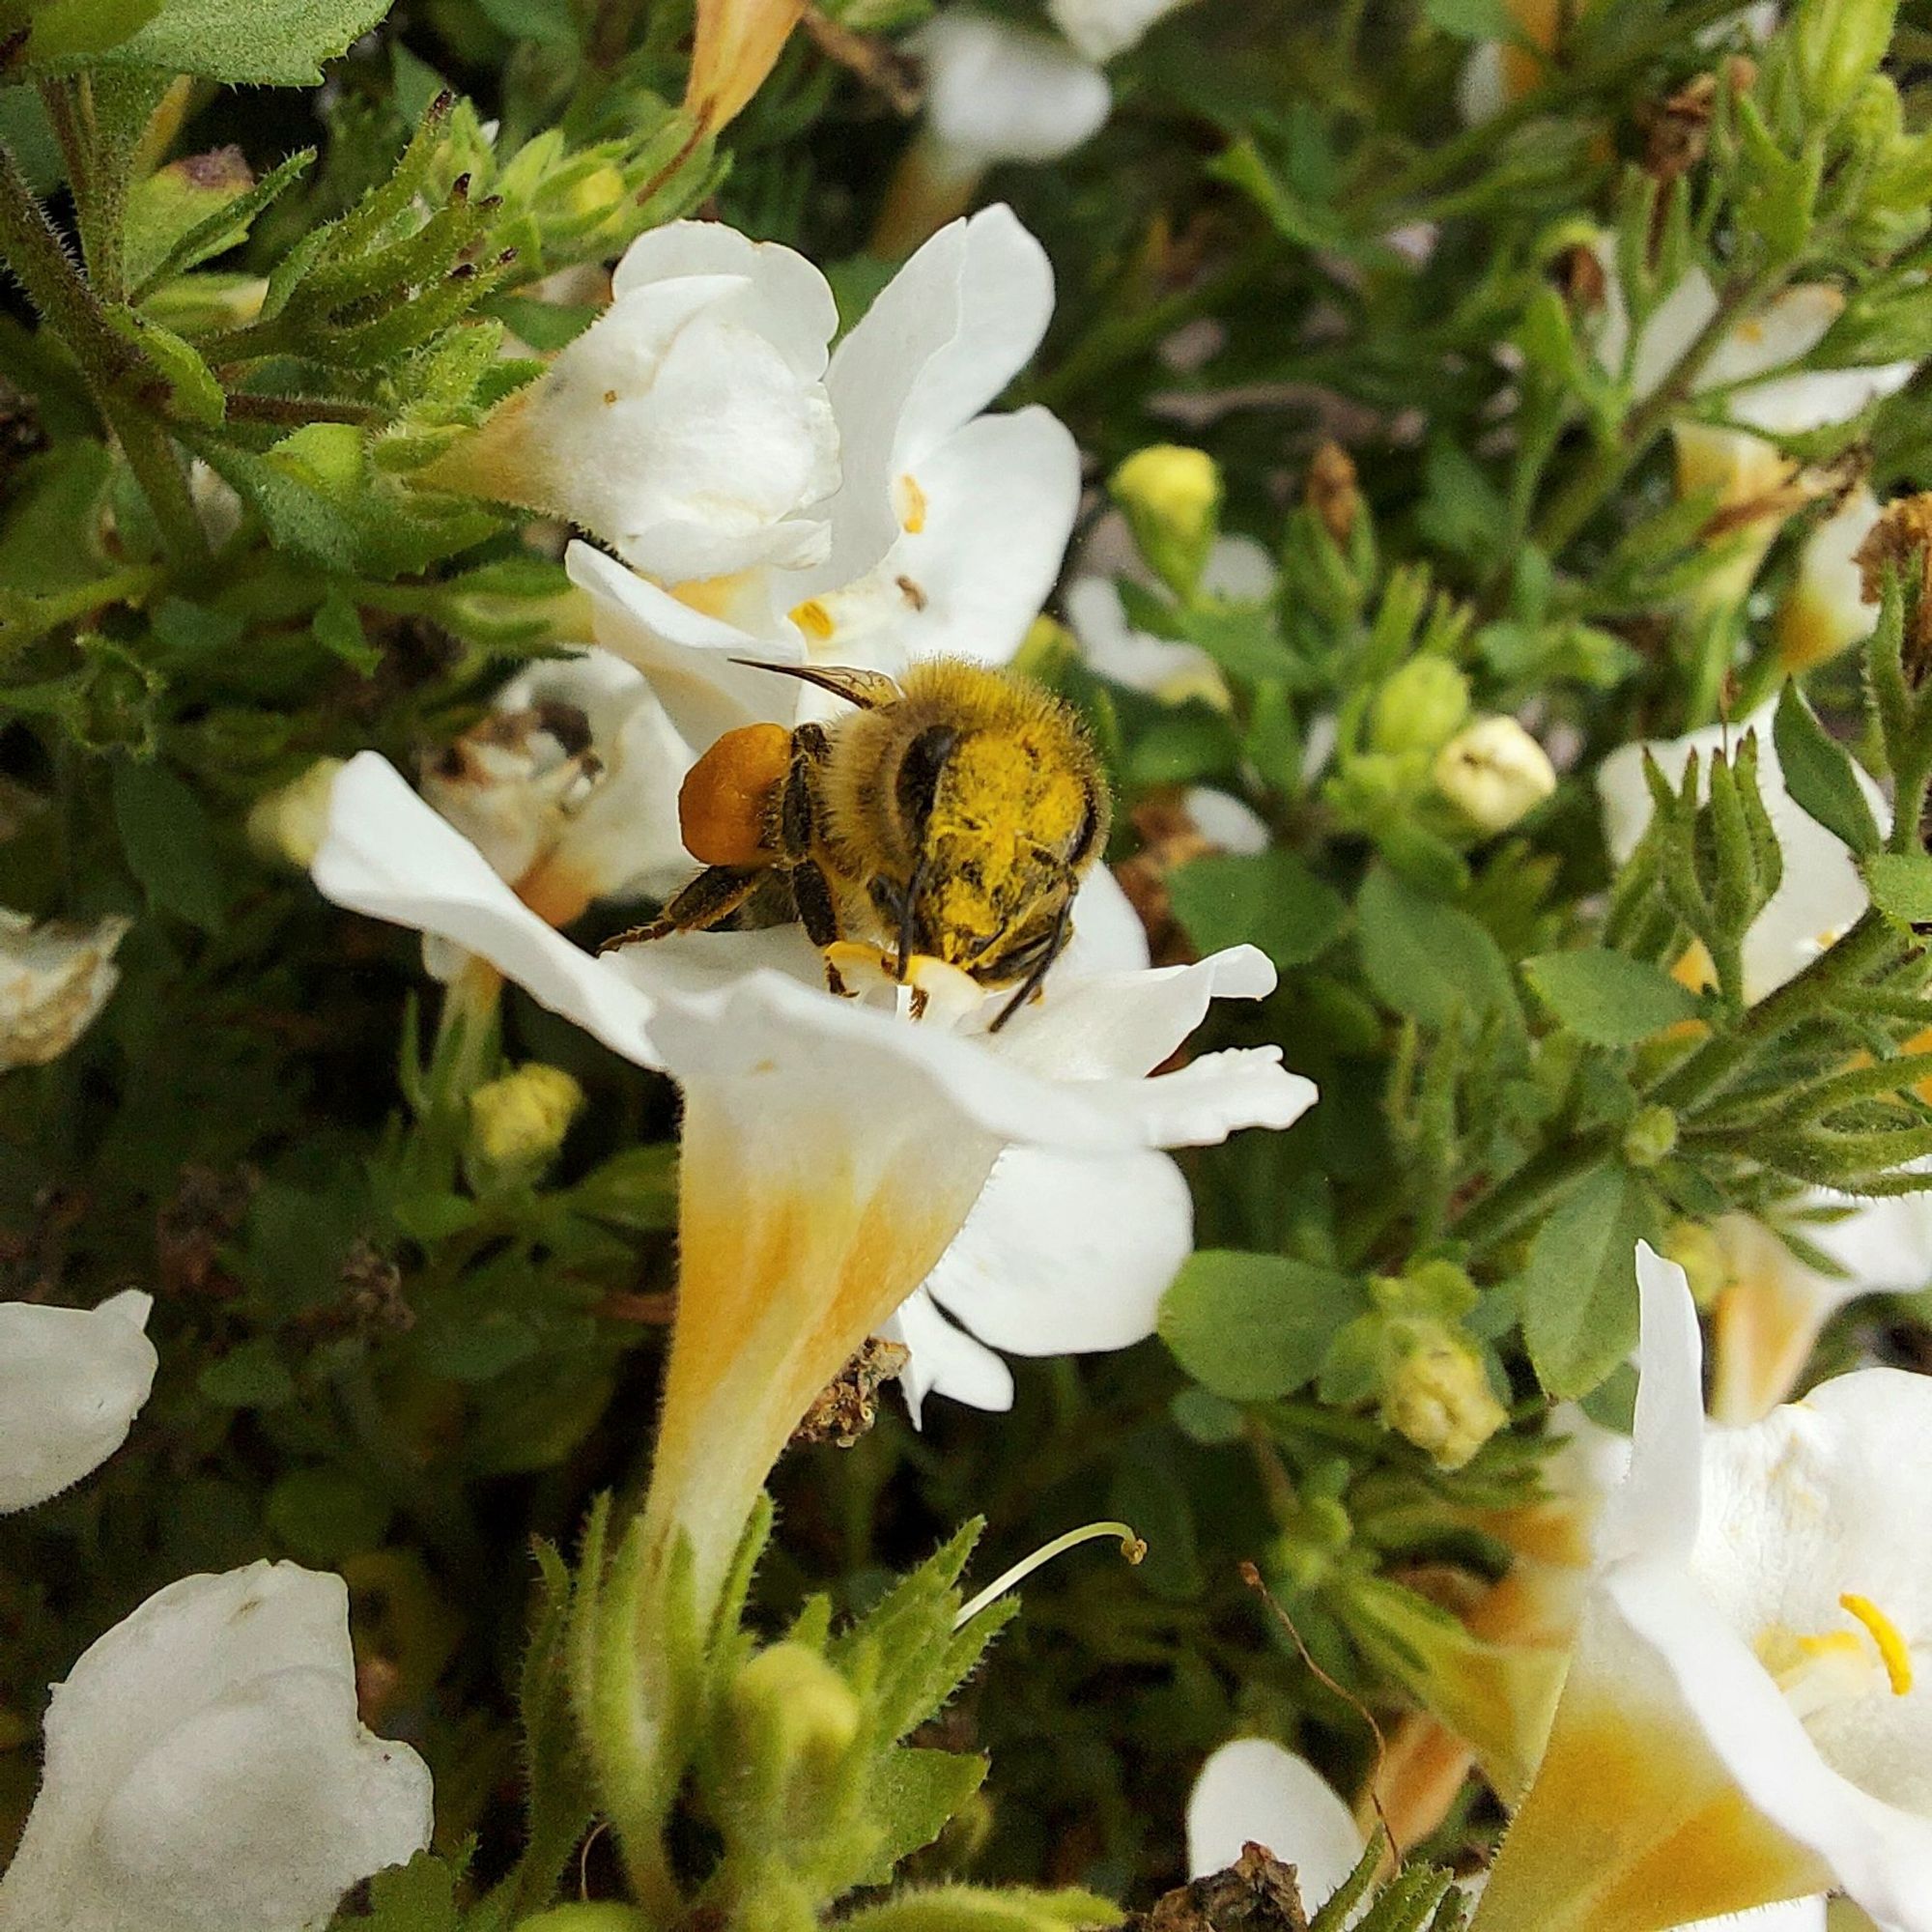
(1131, 1548)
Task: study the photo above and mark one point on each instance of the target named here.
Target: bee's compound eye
(921, 767)
(723, 805)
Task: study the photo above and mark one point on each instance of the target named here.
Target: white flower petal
(1108, 936)
(689, 658)
(72, 1382)
(1482, 89)
(1657, 1507)
(945, 1360)
(997, 93)
(1817, 398)
(1162, 667)
(791, 305)
(389, 855)
(1825, 611)
(998, 502)
(54, 979)
(1068, 1254)
(1226, 821)
(206, 1770)
(1251, 1790)
(1240, 569)
(1786, 331)
(1103, 28)
(943, 338)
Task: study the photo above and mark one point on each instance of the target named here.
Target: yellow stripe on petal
(813, 619)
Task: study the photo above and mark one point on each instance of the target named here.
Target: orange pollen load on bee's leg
(724, 804)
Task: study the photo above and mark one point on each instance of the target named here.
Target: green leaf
(1252, 1326)
(248, 43)
(913, 1795)
(1426, 958)
(251, 1376)
(1268, 899)
(324, 1515)
(168, 842)
(1901, 886)
(52, 539)
(1819, 773)
(1474, 19)
(419, 1896)
(66, 31)
(1608, 998)
(1579, 1293)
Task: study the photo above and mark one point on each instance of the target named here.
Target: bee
(951, 814)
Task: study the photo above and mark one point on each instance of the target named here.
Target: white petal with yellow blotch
(1253, 1791)
(205, 1772)
(1747, 1719)
(833, 1153)
(996, 92)
(72, 1382)
(1821, 894)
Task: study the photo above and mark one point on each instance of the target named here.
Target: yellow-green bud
(1699, 1251)
(794, 1712)
(1493, 771)
(1172, 497)
(287, 823)
(518, 1122)
(1436, 1394)
(1420, 707)
(1651, 1137)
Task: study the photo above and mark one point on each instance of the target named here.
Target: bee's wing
(868, 690)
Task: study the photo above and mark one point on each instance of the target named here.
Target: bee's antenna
(868, 690)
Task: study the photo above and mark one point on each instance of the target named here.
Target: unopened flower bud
(518, 1122)
(1651, 1137)
(1420, 707)
(1436, 1394)
(1172, 497)
(287, 824)
(736, 45)
(1699, 1251)
(795, 1716)
(1493, 771)
(1331, 490)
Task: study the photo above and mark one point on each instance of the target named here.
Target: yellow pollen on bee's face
(912, 506)
(813, 619)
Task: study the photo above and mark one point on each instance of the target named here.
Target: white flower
(1251, 1791)
(1825, 611)
(569, 786)
(833, 1152)
(690, 425)
(1747, 1717)
(1754, 485)
(72, 1382)
(1821, 894)
(205, 1770)
(1772, 1307)
(1101, 29)
(782, 508)
(996, 92)
(1493, 771)
(54, 978)
(1239, 569)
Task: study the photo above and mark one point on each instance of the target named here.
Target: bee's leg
(1039, 957)
(798, 800)
(896, 905)
(818, 914)
(709, 899)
